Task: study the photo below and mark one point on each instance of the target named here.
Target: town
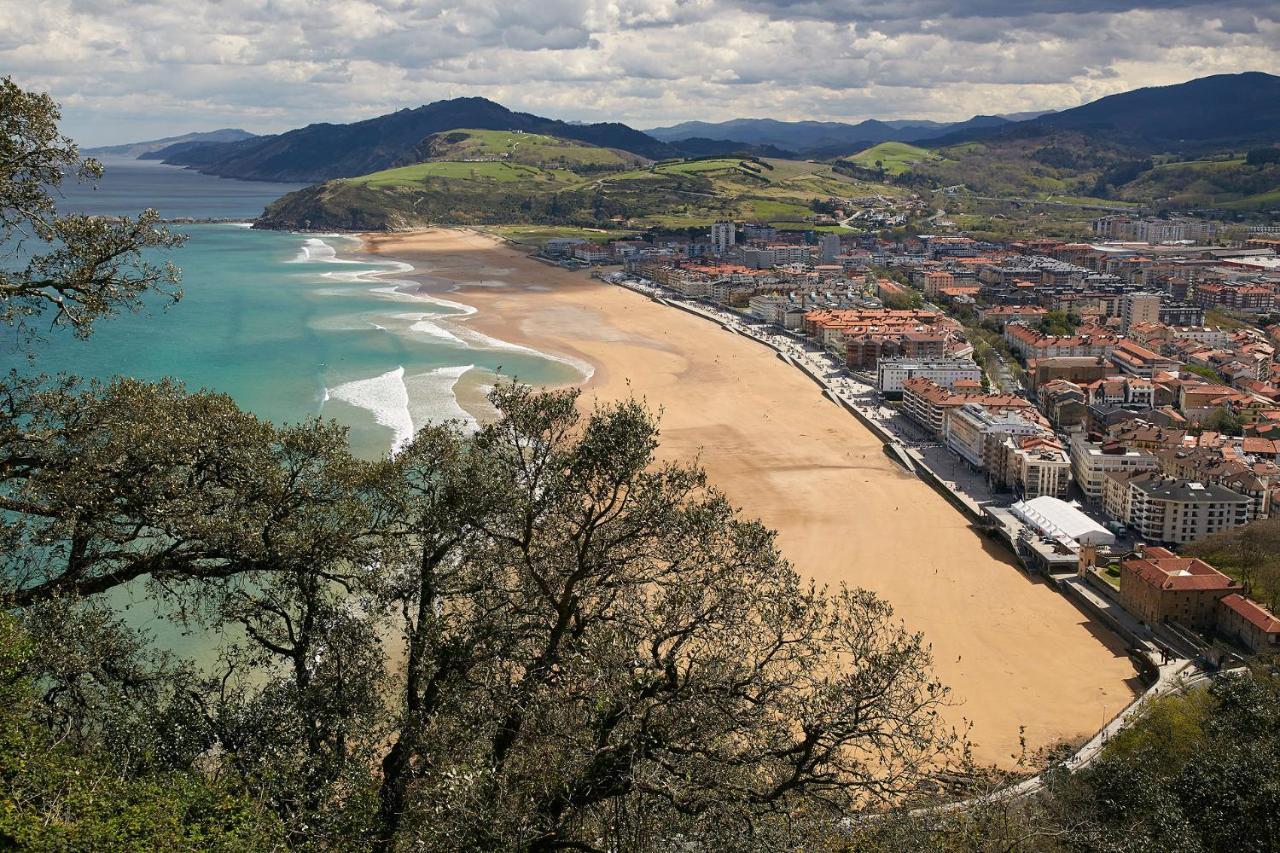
(1099, 406)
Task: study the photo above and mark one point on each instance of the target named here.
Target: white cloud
(124, 70)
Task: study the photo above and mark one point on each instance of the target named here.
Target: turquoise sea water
(289, 325)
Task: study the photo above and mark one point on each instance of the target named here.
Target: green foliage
(1058, 323)
(892, 158)
(672, 194)
(1206, 372)
(55, 797)
(1250, 554)
(1224, 420)
(80, 268)
(1263, 156)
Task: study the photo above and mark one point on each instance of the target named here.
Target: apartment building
(1138, 308)
(723, 236)
(975, 434)
(927, 403)
(1170, 510)
(1091, 463)
(893, 373)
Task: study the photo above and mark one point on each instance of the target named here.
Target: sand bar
(1015, 652)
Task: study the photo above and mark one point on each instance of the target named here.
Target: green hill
(503, 178)
(533, 149)
(893, 158)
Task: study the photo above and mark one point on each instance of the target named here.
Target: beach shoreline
(1021, 660)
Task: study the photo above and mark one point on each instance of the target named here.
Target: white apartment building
(892, 373)
(1090, 465)
(723, 235)
(969, 431)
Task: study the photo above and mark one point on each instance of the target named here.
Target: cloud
(123, 70)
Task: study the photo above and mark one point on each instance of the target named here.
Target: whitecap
(434, 396)
(314, 249)
(387, 397)
(425, 325)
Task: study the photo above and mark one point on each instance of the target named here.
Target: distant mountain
(138, 149)
(818, 138)
(1200, 114)
(696, 146)
(320, 152)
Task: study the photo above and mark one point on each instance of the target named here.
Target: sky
(125, 71)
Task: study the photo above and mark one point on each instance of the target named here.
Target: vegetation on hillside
(579, 191)
(890, 158)
(1195, 774)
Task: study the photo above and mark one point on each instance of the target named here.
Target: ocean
(291, 326)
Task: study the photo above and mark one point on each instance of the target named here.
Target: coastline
(1015, 652)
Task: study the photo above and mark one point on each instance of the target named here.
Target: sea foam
(387, 397)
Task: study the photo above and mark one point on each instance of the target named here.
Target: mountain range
(820, 137)
(1239, 109)
(135, 150)
(319, 152)
(1198, 115)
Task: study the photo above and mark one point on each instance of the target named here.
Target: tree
(1224, 420)
(54, 796)
(1262, 156)
(600, 652)
(80, 267)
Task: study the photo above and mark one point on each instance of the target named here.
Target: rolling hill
(321, 152)
(892, 158)
(557, 182)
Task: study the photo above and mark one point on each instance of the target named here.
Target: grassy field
(494, 172)
(538, 235)
(894, 157)
(533, 149)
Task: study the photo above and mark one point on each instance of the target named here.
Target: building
(723, 236)
(1248, 623)
(1035, 465)
(1064, 403)
(1157, 586)
(1058, 519)
(1080, 370)
(1137, 360)
(1091, 463)
(1138, 308)
(976, 434)
(928, 403)
(829, 248)
(893, 373)
(1169, 510)
(591, 253)
(1001, 315)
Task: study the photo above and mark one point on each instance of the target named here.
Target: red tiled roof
(1253, 613)
(1176, 573)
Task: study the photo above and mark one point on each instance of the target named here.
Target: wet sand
(1018, 656)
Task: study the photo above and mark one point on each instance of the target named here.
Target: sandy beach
(1019, 657)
